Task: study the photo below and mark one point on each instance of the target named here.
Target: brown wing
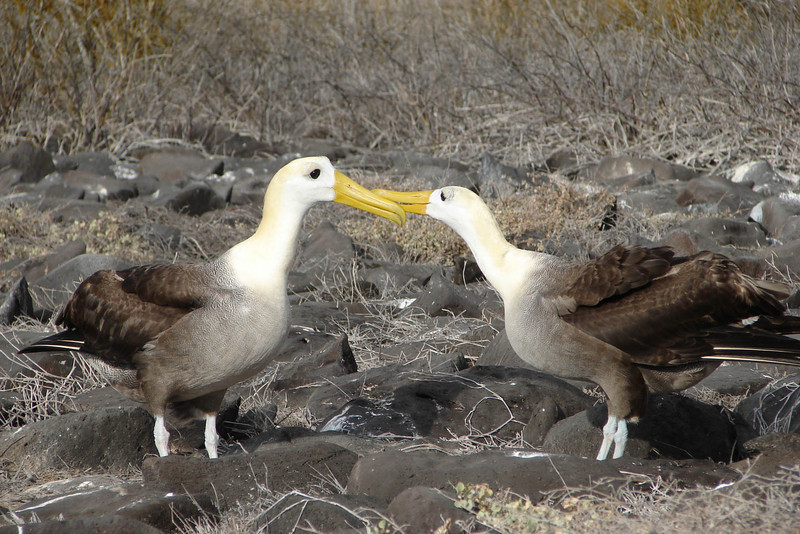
(617, 272)
(682, 316)
(117, 312)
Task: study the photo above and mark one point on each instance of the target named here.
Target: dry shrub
(703, 83)
(554, 211)
(78, 64)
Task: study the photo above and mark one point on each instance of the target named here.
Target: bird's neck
(495, 255)
(265, 258)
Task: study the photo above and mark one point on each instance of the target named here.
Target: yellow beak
(412, 202)
(350, 193)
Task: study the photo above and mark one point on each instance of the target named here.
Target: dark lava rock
(369, 418)
(760, 176)
(54, 186)
(422, 510)
(100, 188)
(477, 402)
(178, 164)
(279, 434)
(442, 297)
(497, 180)
(325, 248)
(434, 172)
(385, 275)
(99, 163)
(85, 525)
(778, 216)
(544, 414)
(217, 139)
(657, 199)
(500, 352)
(720, 193)
(50, 363)
(71, 440)
(675, 427)
(734, 379)
(385, 475)
(328, 513)
(466, 271)
(101, 399)
(612, 167)
(244, 477)
(75, 211)
(632, 181)
(253, 422)
(785, 258)
(17, 303)
(34, 268)
(771, 453)
(712, 232)
(34, 163)
(564, 161)
(194, 199)
(54, 289)
(775, 407)
(88, 498)
(311, 357)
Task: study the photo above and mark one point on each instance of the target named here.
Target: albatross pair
(633, 320)
(179, 335)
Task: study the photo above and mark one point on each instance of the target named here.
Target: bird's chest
(254, 332)
(537, 334)
(230, 342)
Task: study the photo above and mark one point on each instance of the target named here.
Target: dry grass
(709, 84)
(703, 83)
(752, 504)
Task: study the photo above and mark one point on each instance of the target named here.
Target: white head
(296, 187)
(465, 212)
(457, 207)
(303, 182)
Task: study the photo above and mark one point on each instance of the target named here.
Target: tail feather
(771, 357)
(66, 341)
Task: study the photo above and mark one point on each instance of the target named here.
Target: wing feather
(673, 311)
(118, 312)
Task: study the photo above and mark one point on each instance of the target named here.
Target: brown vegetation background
(698, 82)
(706, 83)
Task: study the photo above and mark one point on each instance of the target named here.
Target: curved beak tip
(350, 193)
(411, 202)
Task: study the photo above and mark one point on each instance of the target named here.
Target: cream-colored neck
(495, 255)
(265, 258)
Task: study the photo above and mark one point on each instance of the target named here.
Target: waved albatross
(179, 335)
(634, 319)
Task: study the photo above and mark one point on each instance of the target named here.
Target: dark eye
(314, 174)
(442, 193)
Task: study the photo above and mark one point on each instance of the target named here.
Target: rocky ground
(397, 403)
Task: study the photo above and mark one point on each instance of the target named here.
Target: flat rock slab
(111, 438)
(85, 525)
(161, 510)
(421, 510)
(244, 477)
(385, 475)
(54, 289)
(298, 512)
(771, 454)
(482, 401)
